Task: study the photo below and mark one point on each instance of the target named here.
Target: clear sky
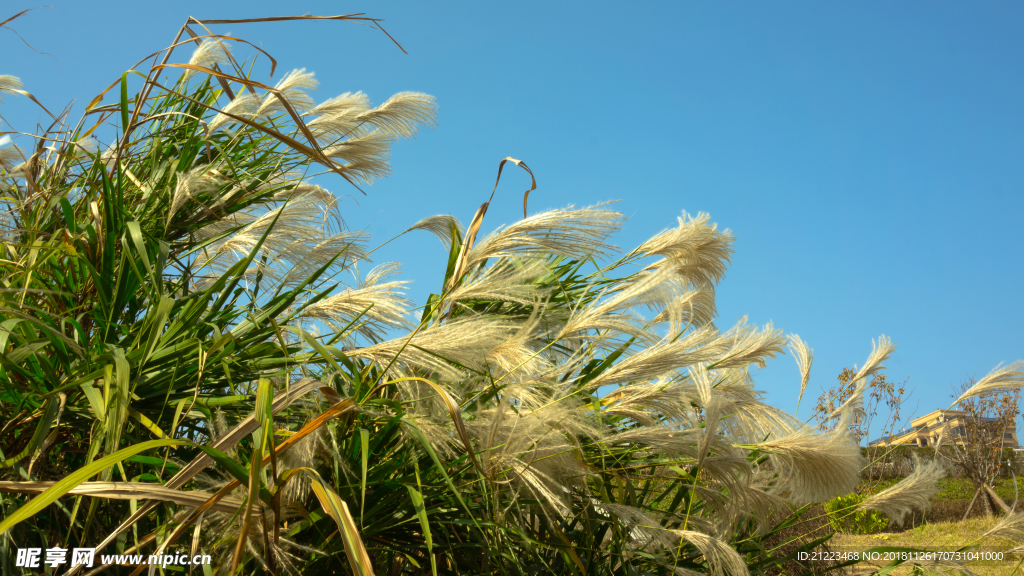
(868, 156)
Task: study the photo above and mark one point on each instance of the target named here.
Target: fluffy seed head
(373, 304)
(804, 357)
(402, 114)
(346, 103)
(573, 232)
(854, 405)
(1000, 379)
(912, 493)
(696, 250)
(441, 226)
(293, 89)
(208, 54)
(9, 84)
(10, 156)
(190, 184)
(244, 106)
(365, 158)
(751, 346)
(816, 467)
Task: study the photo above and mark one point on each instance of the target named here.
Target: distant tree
(880, 392)
(975, 445)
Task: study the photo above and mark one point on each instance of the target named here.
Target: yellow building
(924, 431)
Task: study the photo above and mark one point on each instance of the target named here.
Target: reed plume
(912, 493)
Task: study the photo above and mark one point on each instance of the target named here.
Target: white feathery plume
(748, 418)
(440, 226)
(287, 185)
(401, 115)
(11, 156)
(301, 455)
(685, 307)
(237, 220)
(575, 232)
(684, 441)
(365, 157)
(336, 118)
(911, 493)
(697, 250)
(816, 467)
(292, 238)
(1011, 527)
(749, 345)
(378, 304)
(609, 311)
(221, 530)
(605, 330)
(536, 448)
(804, 357)
(10, 84)
(703, 383)
(296, 221)
(702, 346)
(86, 147)
(190, 184)
(879, 353)
(517, 353)
(852, 411)
(571, 231)
(243, 106)
(436, 430)
(538, 483)
(331, 129)
(305, 257)
(293, 89)
(722, 558)
(1000, 379)
(466, 341)
(647, 402)
(305, 189)
(208, 54)
(712, 407)
(507, 280)
(346, 103)
(753, 420)
(942, 436)
(109, 155)
(644, 530)
(752, 502)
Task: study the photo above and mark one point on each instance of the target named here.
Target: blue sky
(869, 157)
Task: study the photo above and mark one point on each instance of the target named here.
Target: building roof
(934, 420)
(933, 414)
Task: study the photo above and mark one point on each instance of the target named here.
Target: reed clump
(186, 365)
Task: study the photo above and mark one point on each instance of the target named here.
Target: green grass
(953, 489)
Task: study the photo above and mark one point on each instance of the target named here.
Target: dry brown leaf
(127, 491)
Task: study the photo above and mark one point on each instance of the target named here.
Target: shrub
(844, 517)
